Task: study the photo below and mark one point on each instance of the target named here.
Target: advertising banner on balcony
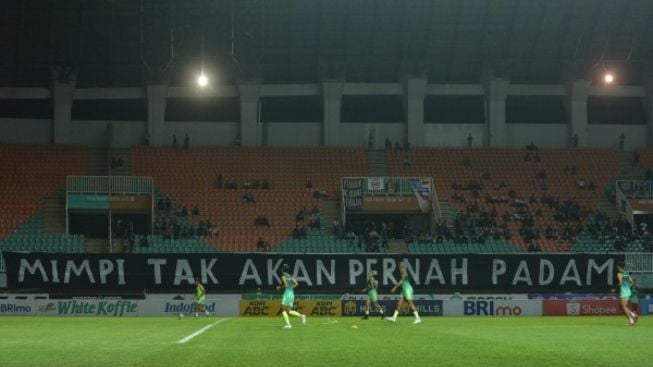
(352, 189)
(88, 202)
(131, 202)
(250, 271)
(390, 204)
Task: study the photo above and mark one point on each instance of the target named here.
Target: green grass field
(438, 341)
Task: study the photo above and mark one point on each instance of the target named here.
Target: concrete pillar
(249, 110)
(156, 109)
(496, 91)
(577, 94)
(332, 101)
(414, 92)
(648, 107)
(62, 96)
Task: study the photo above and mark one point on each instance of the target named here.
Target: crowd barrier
(349, 305)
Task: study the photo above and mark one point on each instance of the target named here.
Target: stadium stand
(536, 193)
(216, 179)
(31, 173)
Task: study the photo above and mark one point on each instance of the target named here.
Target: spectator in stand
(219, 182)
(397, 145)
(470, 140)
(622, 142)
(319, 194)
(580, 183)
(261, 221)
(260, 244)
(309, 185)
(299, 217)
(574, 140)
(534, 247)
(531, 146)
(186, 142)
(195, 211)
(388, 143)
(174, 141)
(248, 198)
(265, 185)
(406, 162)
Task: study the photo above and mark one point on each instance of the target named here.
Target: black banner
(429, 273)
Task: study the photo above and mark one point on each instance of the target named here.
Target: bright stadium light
(202, 80)
(608, 78)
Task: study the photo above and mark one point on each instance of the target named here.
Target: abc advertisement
(581, 308)
(426, 307)
(310, 308)
(493, 308)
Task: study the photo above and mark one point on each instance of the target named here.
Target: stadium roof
(118, 42)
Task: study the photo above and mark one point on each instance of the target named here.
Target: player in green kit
(625, 284)
(407, 295)
(200, 299)
(288, 283)
(372, 296)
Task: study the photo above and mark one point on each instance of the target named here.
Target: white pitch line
(199, 332)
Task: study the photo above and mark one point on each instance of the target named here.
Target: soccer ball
(181, 316)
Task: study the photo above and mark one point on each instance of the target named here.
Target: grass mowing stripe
(199, 332)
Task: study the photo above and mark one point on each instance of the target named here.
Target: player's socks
(416, 314)
(285, 317)
(295, 313)
(395, 314)
(206, 312)
(367, 312)
(197, 315)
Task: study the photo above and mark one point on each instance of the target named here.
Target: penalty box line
(199, 332)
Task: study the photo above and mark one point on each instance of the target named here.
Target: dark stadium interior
(318, 122)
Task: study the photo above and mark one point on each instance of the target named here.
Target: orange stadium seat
(189, 178)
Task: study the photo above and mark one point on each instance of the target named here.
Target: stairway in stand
(377, 163)
(97, 245)
(448, 211)
(330, 211)
(54, 213)
(98, 162)
(397, 247)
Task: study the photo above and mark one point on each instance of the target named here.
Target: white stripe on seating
(199, 332)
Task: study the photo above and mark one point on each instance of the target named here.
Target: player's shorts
(288, 300)
(374, 295)
(407, 293)
(201, 300)
(625, 293)
(634, 300)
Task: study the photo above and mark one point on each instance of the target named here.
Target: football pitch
(219, 341)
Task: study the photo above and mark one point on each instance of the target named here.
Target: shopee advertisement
(581, 307)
